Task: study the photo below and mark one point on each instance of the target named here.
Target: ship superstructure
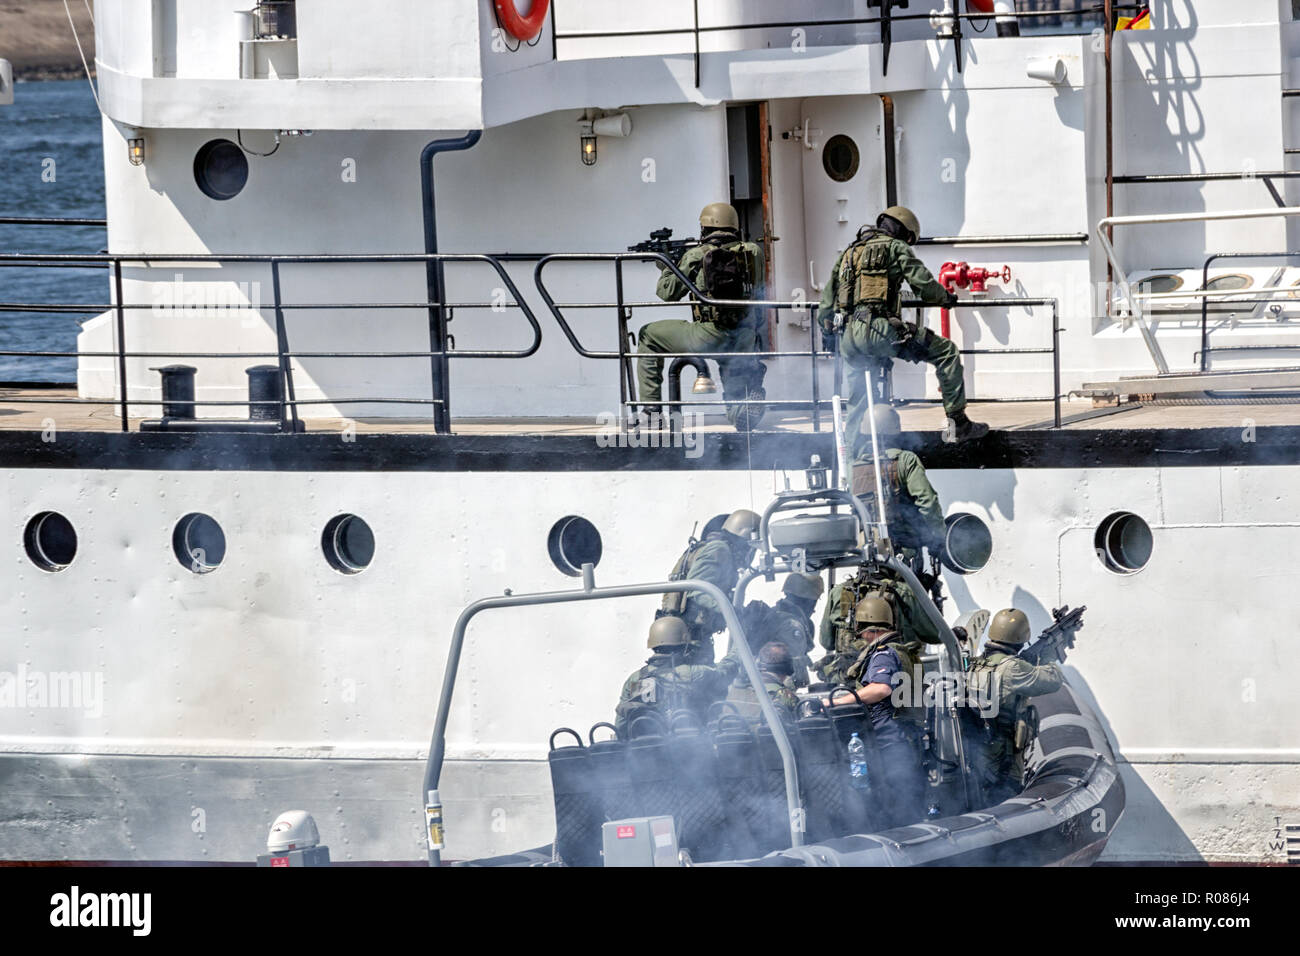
(410, 216)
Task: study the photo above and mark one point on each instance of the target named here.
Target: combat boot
(650, 418)
(960, 428)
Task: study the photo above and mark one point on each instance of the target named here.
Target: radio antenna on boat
(881, 521)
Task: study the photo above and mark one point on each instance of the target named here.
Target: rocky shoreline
(36, 38)
(34, 74)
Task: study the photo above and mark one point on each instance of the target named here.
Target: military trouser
(868, 342)
(902, 780)
(698, 338)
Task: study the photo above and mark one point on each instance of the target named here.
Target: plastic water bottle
(858, 763)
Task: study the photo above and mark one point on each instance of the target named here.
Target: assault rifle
(1057, 639)
(661, 241)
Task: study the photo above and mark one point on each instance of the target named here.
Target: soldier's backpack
(843, 632)
(757, 618)
(675, 603)
(864, 485)
(863, 279)
(1021, 724)
(724, 274)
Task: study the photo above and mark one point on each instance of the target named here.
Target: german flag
(1140, 22)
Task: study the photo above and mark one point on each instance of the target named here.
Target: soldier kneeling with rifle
(722, 266)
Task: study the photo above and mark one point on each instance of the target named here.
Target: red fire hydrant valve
(961, 275)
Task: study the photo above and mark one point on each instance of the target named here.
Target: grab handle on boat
(691, 719)
(591, 734)
(565, 730)
(644, 718)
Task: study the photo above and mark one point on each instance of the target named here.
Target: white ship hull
(276, 681)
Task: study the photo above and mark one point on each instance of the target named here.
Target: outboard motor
(701, 815)
(738, 779)
(608, 778)
(577, 812)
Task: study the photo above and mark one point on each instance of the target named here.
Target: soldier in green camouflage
(713, 329)
(998, 674)
(912, 507)
(717, 558)
(793, 619)
(838, 633)
(669, 682)
(862, 303)
(776, 667)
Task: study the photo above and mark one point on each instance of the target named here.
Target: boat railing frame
(440, 394)
(1133, 300)
(625, 357)
(430, 795)
(886, 18)
(1264, 295)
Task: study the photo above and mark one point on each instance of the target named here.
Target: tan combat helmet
(668, 633)
(1009, 626)
(743, 523)
(873, 611)
(886, 420)
(907, 218)
(807, 586)
(719, 215)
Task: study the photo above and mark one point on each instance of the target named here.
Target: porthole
(199, 543)
(51, 541)
(573, 542)
(1159, 284)
(220, 169)
(1123, 543)
(348, 543)
(840, 158)
(1229, 283)
(968, 543)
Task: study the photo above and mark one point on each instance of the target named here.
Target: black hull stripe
(723, 451)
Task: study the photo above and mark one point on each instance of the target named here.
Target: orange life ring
(981, 6)
(522, 28)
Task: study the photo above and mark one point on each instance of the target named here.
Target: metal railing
(440, 395)
(885, 19)
(1264, 295)
(624, 309)
(1132, 300)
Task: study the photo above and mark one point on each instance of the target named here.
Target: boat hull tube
(1072, 802)
(1064, 816)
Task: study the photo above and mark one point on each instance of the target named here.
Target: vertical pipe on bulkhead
(891, 159)
(1110, 149)
(441, 393)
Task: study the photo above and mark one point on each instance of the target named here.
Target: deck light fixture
(588, 140)
(135, 150)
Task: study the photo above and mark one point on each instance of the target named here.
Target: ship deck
(34, 408)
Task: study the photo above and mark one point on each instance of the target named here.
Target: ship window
(220, 169)
(199, 543)
(348, 543)
(1229, 283)
(1158, 284)
(1123, 542)
(968, 544)
(573, 542)
(840, 158)
(51, 541)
